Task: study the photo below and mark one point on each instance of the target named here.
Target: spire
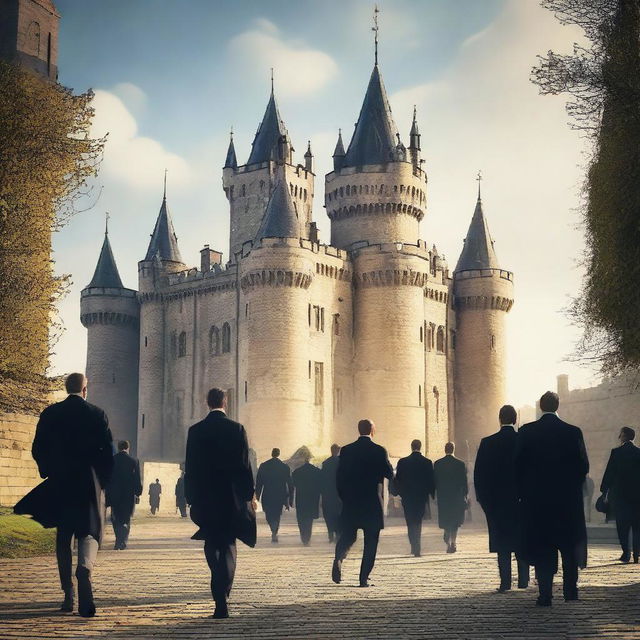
(338, 153)
(106, 274)
(280, 217)
(308, 158)
(231, 160)
(414, 134)
(479, 179)
(164, 242)
(375, 30)
(269, 135)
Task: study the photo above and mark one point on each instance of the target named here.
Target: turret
(339, 153)
(308, 158)
(483, 294)
(231, 161)
(414, 141)
(110, 312)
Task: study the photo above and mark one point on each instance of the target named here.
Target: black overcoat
(415, 482)
(181, 499)
(273, 485)
(331, 503)
(125, 484)
(73, 450)
(218, 480)
(307, 481)
(494, 477)
(551, 465)
(362, 468)
(451, 491)
(622, 480)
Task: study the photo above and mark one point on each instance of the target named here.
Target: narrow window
(421, 335)
(174, 345)
(322, 319)
(493, 343)
(309, 314)
(145, 341)
(336, 324)
(226, 338)
(436, 395)
(143, 420)
(319, 382)
(246, 391)
(214, 341)
(309, 369)
(440, 340)
(182, 345)
(337, 402)
(419, 395)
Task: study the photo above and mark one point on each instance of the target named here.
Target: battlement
(376, 168)
(108, 291)
(483, 273)
(270, 165)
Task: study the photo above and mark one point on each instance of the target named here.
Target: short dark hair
(416, 445)
(335, 449)
(123, 445)
(275, 452)
(629, 433)
(364, 427)
(508, 415)
(75, 382)
(450, 447)
(549, 401)
(157, 479)
(215, 398)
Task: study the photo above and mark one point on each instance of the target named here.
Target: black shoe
(67, 603)
(503, 588)
(336, 571)
(222, 611)
(571, 598)
(417, 554)
(274, 537)
(86, 607)
(625, 557)
(364, 583)
(636, 557)
(523, 585)
(543, 601)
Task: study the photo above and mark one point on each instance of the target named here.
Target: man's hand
(254, 504)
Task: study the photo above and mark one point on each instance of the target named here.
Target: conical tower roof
(269, 132)
(478, 251)
(375, 138)
(231, 159)
(339, 150)
(106, 274)
(280, 218)
(164, 242)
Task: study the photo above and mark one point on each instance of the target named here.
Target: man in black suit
(219, 488)
(73, 450)
(415, 483)
(155, 490)
(307, 483)
(331, 503)
(181, 499)
(495, 481)
(274, 490)
(622, 482)
(551, 465)
(451, 491)
(124, 487)
(362, 468)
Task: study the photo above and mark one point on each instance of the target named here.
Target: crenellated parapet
(275, 278)
(498, 303)
(391, 278)
(107, 317)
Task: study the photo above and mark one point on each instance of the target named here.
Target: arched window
(261, 185)
(366, 189)
(440, 340)
(33, 38)
(431, 336)
(243, 191)
(348, 190)
(436, 395)
(226, 338)
(182, 345)
(214, 341)
(341, 192)
(493, 343)
(174, 345)
(336, 324)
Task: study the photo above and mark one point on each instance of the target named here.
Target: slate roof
(106, 274)
(164, 242)
(271, 129)
(280, 217)
(231, 159)
(478, 251)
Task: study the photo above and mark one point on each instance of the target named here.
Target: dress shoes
(503, 588)
(572, 598)
(523, 585)
(67, 603)
(543, 601)
(625, 557)
(221, 611)
(364, 583)
(336, 571)
(274, 537)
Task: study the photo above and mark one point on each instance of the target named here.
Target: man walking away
(306, 482)
(551, 465)
(124, 487)
(451, 493)
(274, 490)
(155, 489)
(622, 482)
(72, 448)
(219, 488)
(181, 500)
(361, 472)
(495, 482)
(415, 482)
(331, 503)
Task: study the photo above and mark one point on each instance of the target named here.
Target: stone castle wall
(18, 471)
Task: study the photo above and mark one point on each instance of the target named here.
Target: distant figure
(72, 448)
(123, 489)
(451, 493)
(622, 482)
(181, 499)
(331, 503)
(362, 468)
(495, 482)
(415, 482)
(587, 493)
(274, 490)
(551, 465)
(155, 489)
(219, 488)
(307, 481)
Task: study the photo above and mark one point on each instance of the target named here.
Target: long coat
(307, 482)
(361, 472)
(273, 485)
(415, 481)
(73, 450)
(551, 465)
(181, 499)
(155, 489)
(218, 480)
(494, 478)
(451, 491)
(622, 480)
(125, 484)
(331, 503)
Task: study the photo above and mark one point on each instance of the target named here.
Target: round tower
(483, 295)
(111, 314)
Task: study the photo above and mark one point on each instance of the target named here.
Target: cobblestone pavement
(158, 588)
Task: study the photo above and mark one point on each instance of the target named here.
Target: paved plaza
(158, 589)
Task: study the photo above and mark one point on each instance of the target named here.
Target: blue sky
(172, 77)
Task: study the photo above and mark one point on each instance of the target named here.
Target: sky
(171, 78)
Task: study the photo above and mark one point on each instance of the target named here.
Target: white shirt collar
(552, 413)
(365, 435)
(508, 425)
(220, 409)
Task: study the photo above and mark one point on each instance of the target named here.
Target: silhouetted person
(587, 493)
(331, 503)
(551, 465)
(219, 488)
(495, 483)
(415, 482)
(451, 493)
(72, 448)
(125, 485)
(155, 489)
(181, 499)
(307, 481)
(622, 482)
(274, 490)
(362, 468)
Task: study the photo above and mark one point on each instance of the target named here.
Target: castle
(307, 337)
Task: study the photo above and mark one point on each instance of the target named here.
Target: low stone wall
(168, 474)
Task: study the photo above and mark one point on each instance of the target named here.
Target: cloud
(132, 95)
(299, 70)
(129, 158)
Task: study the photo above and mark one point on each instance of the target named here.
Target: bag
(602, 504)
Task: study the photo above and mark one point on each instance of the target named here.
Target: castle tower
(249, 187)
(111, 315)
(162, 259)
(29, 35)
(483, 294)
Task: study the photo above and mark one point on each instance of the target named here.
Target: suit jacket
(362, 468)
(551, 465)
(273, 485)
(451, 490)
(495, 482)
(331, 503)
(218, 480)
(622, 479)
(307, 481)
(415, 481)
(73, 450)
(125, 483)
(181, 499)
